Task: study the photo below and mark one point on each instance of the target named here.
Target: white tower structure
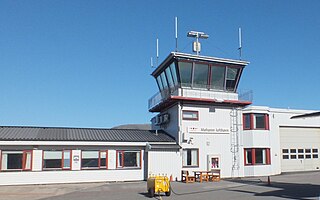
(198, 105)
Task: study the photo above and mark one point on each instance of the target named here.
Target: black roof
(22, 133)
(314, 114)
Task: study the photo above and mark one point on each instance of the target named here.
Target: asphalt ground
(286, 186)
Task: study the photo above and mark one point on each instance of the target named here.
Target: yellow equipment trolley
(157, 185)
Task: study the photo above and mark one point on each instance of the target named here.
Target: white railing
(202, 93)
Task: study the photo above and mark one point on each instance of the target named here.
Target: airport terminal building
(201, 122)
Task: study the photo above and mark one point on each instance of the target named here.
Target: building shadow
(282, 190)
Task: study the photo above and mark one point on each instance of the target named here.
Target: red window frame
(192, 111)
(99, 161)
(62, 161)
(122, 159)
(253, 156)
(106, 167)
(252, 115)
(24, 157)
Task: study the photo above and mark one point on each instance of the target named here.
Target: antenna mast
(240, 44)
(151, 62)
(176, 32)
(157, 51)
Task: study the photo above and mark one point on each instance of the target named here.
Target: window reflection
(200, 77)
(159, 83)
(169, 76)
(231, 78)
(185, 70)
(217, 77)
(174, 73)
(164, 81)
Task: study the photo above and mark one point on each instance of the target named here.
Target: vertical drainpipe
(180, 137)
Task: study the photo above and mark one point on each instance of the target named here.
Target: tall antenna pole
(157, 51)
(176, 32)
(151, 62)
(240, 44)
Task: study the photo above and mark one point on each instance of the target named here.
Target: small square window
(190, 115)
(285, 156)
(300, 156)
(314, 150)
(293, 150)
(293, 156)
(285, 150)
(260, 122)
(308, 156)
(308, 150)
(300, 150)
(190, 158)
(315, 155)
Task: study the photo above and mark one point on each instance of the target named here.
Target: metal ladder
(234, 137)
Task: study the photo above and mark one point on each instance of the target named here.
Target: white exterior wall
(209, 143)
(48, 177)
(164, 163)
(271, 138)
(76, 175)
(219, 143)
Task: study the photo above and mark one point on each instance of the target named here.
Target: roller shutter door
(299, 149)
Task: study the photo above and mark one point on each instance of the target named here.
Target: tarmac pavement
(286, 186)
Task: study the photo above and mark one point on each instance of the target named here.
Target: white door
(299, 149)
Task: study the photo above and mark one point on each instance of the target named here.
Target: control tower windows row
(190, 74)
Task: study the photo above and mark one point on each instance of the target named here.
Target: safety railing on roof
(199, 92)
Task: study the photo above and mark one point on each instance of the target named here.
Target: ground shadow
(145, 194)
(283, 190)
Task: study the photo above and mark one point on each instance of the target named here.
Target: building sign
(208, 130)
(76, 158)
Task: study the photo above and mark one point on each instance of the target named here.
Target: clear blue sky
(87, 63)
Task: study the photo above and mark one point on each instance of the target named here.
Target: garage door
(300, 149)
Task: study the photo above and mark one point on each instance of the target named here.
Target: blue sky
(87, 63)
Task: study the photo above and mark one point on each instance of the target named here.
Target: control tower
(195, 78)
(197, 104)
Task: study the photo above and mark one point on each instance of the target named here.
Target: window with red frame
(128, 159)
(255, 121)
(257, 156)
(94, 159)
(16, 160)
(190, 115)
(53, 160)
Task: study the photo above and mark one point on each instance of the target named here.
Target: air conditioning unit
(166, 118)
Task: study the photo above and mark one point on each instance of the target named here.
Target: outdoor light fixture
(196, 47)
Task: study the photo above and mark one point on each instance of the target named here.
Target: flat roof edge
(197, 57)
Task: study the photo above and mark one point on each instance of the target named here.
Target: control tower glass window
(231, 78)
(174, 73)
(159, 83)
(169, 76)
(185, 70)
(217, 77)
(200, 77)
(164, 81)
